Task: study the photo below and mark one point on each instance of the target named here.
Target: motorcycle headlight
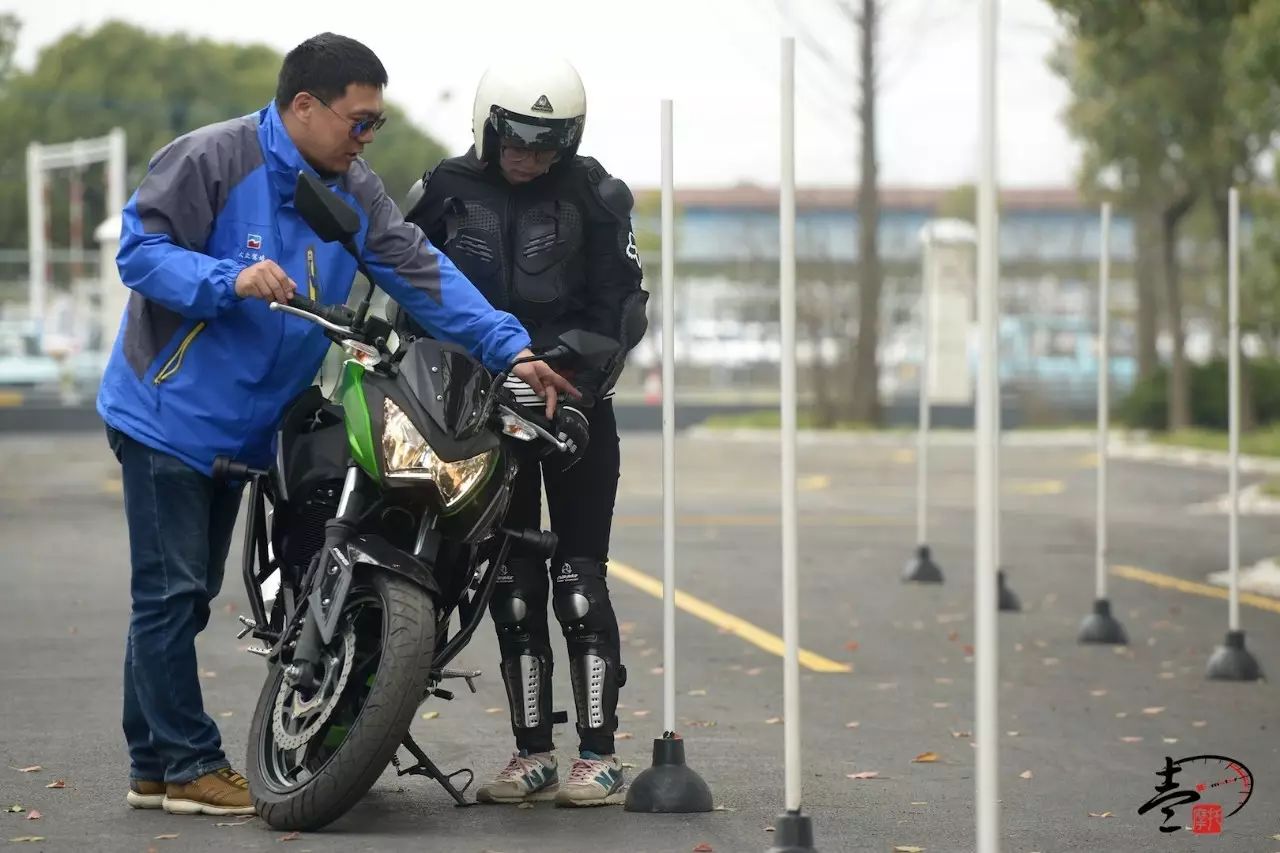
(406, 455)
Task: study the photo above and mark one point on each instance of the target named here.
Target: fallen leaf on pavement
(904, 849)
(430, 715)
(703, 848)
(723, 809)
(209, 675)
(697, 693)
(865, 774)
(941, 680)
(657, 670)
(920, 803)
(1199, 724)
(1131, 739)
(755, 670)
(623, 736)
(925, 758)
(1100, 814)
(32, 769)
(941, 705)
(953, 636)
(1041, 644)
(961, 734)
(1120, 715)
(293, 836)
(225, 714)
(167, 837)
(769, 829)
(34, 815)
(852, 724)
(886, 685)
(968, 648)
(1167, 675)
(21, 839)
(240, 823)
(702, 724)
(1276, 837)
(494, 710)
(1170, 740)
(57, 783)
(852, 645)
(1017, 647)
(1097, 693)
(1050, 661)
(15, 809)
(641, 713)
(1025, 774)
(525, 806)
(773, 721)
(1151, 712)
(1012, 734)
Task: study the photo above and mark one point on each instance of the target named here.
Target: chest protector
(525, 251)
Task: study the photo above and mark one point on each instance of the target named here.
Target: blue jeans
(180, 525)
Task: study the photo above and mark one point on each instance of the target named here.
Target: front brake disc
(327, 697)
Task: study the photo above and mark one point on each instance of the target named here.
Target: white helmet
(534, 103)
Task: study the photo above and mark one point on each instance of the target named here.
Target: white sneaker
(526, 778)
(594, 780)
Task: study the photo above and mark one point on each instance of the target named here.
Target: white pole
(922, 443)
(116, 164)
(787, 296)
(668, 428)
(1233, 299)
(35, 238)
(1104, 396)
(987, 809)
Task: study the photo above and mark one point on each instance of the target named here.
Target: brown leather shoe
(145, 795)
(222, 792)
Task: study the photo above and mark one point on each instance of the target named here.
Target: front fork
(328, 582)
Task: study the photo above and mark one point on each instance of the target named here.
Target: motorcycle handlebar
(339, 315)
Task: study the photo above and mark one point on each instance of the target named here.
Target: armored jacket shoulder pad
(612, 193)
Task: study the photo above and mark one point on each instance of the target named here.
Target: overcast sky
(717, 59)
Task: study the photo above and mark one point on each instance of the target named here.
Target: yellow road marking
(1147, 576)
(722, 619)
(8, 399)
(1036, 487)
(813, 483)
(763, 520)
(113, 487)
(904, 456)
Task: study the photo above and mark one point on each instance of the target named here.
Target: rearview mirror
(330, 217)
(594, 349)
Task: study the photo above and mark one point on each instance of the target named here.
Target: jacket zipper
(175, 361)
(311, 273)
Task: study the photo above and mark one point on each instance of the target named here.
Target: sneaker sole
(542, 796)
(145, 801)
(193, 807)
(613, 799)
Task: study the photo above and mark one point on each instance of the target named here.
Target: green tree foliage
(156, 87)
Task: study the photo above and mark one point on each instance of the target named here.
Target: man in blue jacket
(202, 367)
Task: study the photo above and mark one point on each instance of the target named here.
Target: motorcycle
(385, 522)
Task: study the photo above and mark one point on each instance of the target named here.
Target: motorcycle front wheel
(312, 757)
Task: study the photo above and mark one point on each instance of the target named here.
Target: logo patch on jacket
(253, 241)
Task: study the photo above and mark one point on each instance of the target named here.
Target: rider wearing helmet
(545, 234)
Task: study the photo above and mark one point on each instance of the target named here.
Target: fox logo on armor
(543, 106)
(633, 251)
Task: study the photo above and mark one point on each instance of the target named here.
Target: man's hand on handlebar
(543, 380)
(265, 280)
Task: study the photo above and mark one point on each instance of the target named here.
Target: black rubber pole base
(1233, 662)
(793, 833)
(921, 568)
(1101, 627)
(669, 786)
(1009, 600)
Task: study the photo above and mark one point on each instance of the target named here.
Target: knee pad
(580, 599)
(519, 597)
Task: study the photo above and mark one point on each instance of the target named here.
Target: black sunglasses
(358, 128)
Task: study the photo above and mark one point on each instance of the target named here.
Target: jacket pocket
(174, 364)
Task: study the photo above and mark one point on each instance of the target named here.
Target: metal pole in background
(921, 568)
(1101, 626)
(1232, 661)
(793, 831)
(986, 808)
(669, 785)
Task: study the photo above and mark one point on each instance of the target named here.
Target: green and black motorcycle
(381, 520)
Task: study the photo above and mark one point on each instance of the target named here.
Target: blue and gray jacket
(198, 371)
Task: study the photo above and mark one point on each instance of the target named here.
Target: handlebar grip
(544, 542)
(225, 468)
(302, 303)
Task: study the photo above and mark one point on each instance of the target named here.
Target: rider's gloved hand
(571, 427)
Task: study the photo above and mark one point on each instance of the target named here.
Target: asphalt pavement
(887, 687)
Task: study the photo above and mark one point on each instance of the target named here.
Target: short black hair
(325, 65)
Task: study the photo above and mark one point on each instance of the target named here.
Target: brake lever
(307, 315)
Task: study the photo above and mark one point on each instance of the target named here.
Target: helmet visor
(538, 133)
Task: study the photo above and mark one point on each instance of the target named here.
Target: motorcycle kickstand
(426, 767)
